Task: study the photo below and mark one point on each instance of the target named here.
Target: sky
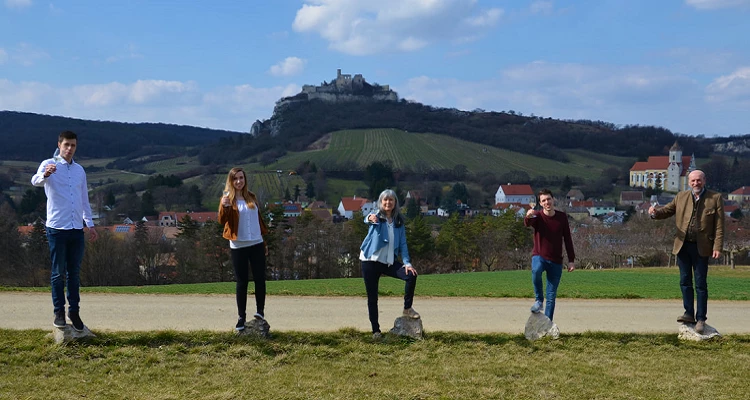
(680, 64)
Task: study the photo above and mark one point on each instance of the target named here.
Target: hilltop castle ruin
(343, 88)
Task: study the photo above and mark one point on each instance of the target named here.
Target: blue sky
(680, 64)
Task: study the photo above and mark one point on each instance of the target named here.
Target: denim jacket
(377, 237)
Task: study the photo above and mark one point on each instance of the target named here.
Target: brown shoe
(686, 319)
(411, 313)
(700, 326)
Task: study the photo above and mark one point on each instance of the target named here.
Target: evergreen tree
(188, 228)
(310, 190)
(412, 208)
(110, 199)
(421, 243)
(296, 192)
(287, 195)
(147, 204)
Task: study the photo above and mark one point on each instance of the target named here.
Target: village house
(741, 195)
(171, 218)
(349, 205)
(631, 197)
(514, 194)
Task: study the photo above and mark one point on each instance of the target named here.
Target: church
(666, 172)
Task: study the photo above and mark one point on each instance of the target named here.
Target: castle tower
(674, 170)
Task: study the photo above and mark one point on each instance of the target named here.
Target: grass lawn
(639, 283)
(348, 365)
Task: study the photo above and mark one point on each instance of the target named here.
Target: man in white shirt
(68, 207)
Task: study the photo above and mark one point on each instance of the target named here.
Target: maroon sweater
(549, 235)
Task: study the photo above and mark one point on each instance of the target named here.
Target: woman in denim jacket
(385, 241)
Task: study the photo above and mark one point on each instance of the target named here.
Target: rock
(68, 334)
(539, 326)
(257, 327)
(687, 332)
(407, 326)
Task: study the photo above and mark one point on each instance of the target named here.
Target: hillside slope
(418, 151)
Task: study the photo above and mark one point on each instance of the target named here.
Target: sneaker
(537, 307)
(59, 319)
(377, 336)
(240, 324)
(259, 316)
(411, 313)
(75, 319)
(686, 319)
(700, 326)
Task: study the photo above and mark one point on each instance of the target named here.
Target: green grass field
(640, 283)
(443, 152)
(348, 365)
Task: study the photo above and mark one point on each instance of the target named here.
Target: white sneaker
(259, 316)
(537, 307)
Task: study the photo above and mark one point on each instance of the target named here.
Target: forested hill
(28, 136)
(295, 126)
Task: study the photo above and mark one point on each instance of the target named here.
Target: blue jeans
(691, 262)
(66, 250)
(554, 273)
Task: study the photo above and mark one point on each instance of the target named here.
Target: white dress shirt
(67, 195)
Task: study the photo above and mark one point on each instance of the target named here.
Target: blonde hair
(247, 195)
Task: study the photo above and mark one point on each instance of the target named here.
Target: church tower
(674, 170)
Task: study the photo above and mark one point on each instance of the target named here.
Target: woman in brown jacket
(240, 214)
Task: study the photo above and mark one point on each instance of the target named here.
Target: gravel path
(119, 312)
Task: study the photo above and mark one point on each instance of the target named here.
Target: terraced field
(442, 152)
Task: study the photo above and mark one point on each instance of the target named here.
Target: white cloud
(17, 3)
(3, 56)
(368, 27)
(290, 66)
(184, 103)
(541, 7)
(716, 4)
(623, 95)
(732, 87)
(27, 55)
(486, 18)
(130, 53)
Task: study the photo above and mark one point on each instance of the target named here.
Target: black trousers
(371, 271)
(255, 256)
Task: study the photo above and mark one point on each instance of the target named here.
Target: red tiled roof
(729, 209)
(631, 195)
(503, 206)
(660, 163)
(744, 191)
(25, 229)
(198, 216)
(582, 203)
(510, 190)
(353, 204)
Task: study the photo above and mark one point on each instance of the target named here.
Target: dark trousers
(690, 262)
(255, 256)
(371, 271)
(66, 251)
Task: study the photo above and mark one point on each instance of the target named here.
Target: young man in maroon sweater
(551, 230)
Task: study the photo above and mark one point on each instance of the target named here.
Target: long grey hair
(396, 213)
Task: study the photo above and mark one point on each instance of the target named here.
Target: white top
(248, 228)
(67, 195)
(385, 254)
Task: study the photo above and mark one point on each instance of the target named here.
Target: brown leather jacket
(230, 218)
(709, 220)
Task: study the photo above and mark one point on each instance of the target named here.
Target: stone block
(410, 327)
(539, 326)
(68, 335)
(687, 332)
(256, 327)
